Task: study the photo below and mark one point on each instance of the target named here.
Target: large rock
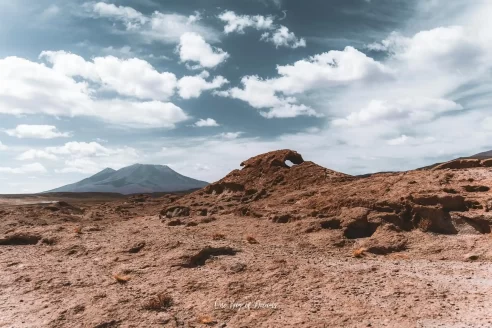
(447, 202)
(355, 224)
(387, 239)
(432, 219)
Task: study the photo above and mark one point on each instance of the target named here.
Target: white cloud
(31, 88)
(37, 132)
(169, 28)
(331, 69)
(193, 86)
(166, 28)
(237, 23)
(85, 149)
(209, 122)
(399, 141)
(28, 168)
(412, 110)
(82, 157)
(279, 35)
(230, 135)
(444, 46)
(193, 48)
(129, 77)
(283, 38)
(36, 154)
(129, 16)
(2, 146)
(80, 165)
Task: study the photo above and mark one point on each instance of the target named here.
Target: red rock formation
(266, 187)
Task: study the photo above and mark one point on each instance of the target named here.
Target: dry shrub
(159, 303)
(78, 230)
(218, 236)
(400, 256)
(251, 240)
(121, 278)
(358, 253)
(425, 225)
(206, 320)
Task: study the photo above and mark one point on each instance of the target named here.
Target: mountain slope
(138, 178)
(485, 154)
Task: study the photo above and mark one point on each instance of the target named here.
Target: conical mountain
(137, 178)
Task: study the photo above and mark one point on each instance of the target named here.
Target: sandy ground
(287, 279)
(266, 246)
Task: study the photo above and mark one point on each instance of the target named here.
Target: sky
(357, 86)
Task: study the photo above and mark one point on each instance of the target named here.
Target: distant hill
(482, 155)
(134, 179)
(485, 154)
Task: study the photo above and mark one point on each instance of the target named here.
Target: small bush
(218, 236)
(159, 303)
(121, 279)
(358, 253)
(251, 240)
(206, 320)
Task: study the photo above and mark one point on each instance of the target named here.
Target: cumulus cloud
(413, 110)
(85, 149)
(193, 86)
(193, 48)
(129, 16)
(83, 157)
(24, 169)
(30, 88)
(230, 135)
(331, 69)
(161, 27)
(129, 77)
(209, 122)
(37, 132)
(279, 35)
(283, 38)
(36, 154)
(2, 146)
(237, 23)
(169, 28)
(80, 165)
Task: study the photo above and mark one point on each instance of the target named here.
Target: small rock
(137, 248)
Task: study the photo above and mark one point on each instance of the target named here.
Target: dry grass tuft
(121, 279)
(218, 236)
(206, 320)
(358, 253)
(159, 303)
(401, 256)
(251, 240)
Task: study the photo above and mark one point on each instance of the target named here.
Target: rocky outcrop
(284, 188)
(386, 239)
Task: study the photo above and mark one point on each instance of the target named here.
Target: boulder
(432, 219)
(387, 239)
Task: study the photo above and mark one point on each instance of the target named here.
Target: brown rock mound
(268, 188)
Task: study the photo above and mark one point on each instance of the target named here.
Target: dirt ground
(152, 262)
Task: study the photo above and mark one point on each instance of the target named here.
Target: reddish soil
(267, 246)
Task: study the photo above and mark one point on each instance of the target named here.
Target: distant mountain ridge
(137, 178)
(485, 154)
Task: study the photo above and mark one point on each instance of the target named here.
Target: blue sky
(354, 85)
